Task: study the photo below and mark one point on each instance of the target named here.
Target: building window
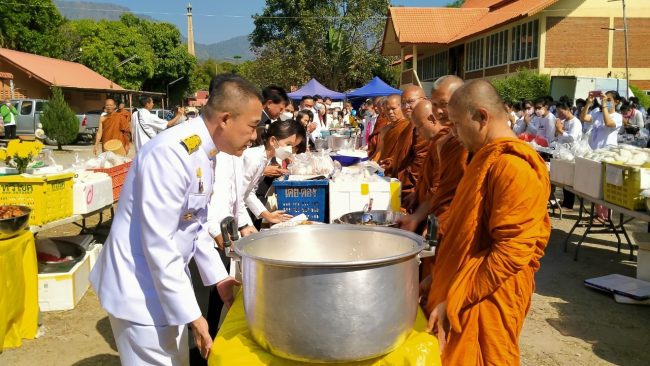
(474, 54)
(525, 41)
(497, 49)
(440, 64)
(425, 68)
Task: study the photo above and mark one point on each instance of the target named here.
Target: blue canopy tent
(313, 87)
(375, 88)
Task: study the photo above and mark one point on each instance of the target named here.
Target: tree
(59, 122)
(456, 4)
(335, 41)
(32, 26)
(203, 72)
(525, 84)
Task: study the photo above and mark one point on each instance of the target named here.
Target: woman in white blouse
(568, 128)
(281, 140)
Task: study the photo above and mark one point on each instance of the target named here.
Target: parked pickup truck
(29, 118)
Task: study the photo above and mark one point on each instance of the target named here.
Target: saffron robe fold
(408, 168)
(117, 126)
(497, 229)
(395, 142)
(373, 138)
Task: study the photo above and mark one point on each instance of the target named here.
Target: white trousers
(150, 345)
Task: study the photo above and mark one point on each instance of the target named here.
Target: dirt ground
(568, 324)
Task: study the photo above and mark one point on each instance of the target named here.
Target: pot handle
(431, 239)
(229, 234)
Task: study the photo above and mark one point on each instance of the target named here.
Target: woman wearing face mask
(529, 123)
(305, 118)
(519, 126)
(568, 128)
(605, 123)
(512, 116)
(280, 143)
(545, 120)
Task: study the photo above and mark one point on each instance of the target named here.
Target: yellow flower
(3, 154)
(12, 147)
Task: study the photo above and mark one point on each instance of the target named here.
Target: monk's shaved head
(411, 96)
(393, 108)
(477, 112)
(441, 93)
(424, 121)
(109, 105)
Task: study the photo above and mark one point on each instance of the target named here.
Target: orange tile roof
(432, 25)
(447, 25)
(58, 72)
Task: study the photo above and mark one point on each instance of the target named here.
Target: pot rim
(417, 248)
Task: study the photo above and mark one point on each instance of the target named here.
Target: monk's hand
(95, 150)
(408, 223)
(439, 324)
(277, 217)
(386, 163)
(202, 336)
(226, 290)
(248, 230)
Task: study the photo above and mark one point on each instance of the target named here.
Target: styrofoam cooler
(588, 177)
(92, 195)
(562, 171)
(62, 291)
(643, 255)
(348, 197)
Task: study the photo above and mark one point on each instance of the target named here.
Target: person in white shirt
(544, 120)
(281, 141)
(525, 121)
(146, 125)
(512, 116)
(141, 276)
(314, 127)
(568, 128)
(605, 123)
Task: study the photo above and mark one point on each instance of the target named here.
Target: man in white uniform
(142, 277)
(146, 125)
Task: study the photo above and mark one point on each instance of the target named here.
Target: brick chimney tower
(190, 31)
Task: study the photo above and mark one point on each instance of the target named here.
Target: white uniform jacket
(141, 275)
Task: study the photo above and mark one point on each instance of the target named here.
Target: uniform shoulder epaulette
(191, 144)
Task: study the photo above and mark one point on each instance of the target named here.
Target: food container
(384, 218)
(12, 226)
(329, 293)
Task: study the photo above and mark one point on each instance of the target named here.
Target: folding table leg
(584, 236)
(566, 240)
(627, 237)
(613, 227)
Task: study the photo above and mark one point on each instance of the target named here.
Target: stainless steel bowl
(330, 293)
(385, 218)
(15, 225)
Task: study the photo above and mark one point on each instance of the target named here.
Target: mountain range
(224, 50)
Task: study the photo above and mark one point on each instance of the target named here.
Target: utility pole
(190, 31)
(627, 68)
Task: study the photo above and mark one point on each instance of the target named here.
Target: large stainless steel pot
(330, 293)
(371, 218)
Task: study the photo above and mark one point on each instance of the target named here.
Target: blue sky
(218, 20)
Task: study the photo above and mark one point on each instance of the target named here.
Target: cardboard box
(562, 171)
(348, 197)
(62, 291)
(588, 178)
(91, 196)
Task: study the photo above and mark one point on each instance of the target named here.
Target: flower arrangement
(20, 154)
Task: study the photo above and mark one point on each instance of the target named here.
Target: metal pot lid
(271, 246)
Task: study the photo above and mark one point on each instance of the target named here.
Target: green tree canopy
(525, 84)
(32, 26)
(335, 41)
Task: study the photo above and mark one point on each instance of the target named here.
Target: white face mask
(285, 116)
(283, 152)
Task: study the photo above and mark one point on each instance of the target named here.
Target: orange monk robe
(117, 126)
(409, 168)
(395, 144)
(428, 178)
(373, 138)
(453, 163)
(485, 265)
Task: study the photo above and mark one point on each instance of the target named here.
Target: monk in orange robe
(115, 125)
(380, 123)
(392, 136)
(407, 162)
(483, 278)
(450, 158)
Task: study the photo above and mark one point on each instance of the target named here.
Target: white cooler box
(588, 178)
(348, 197)
(562, 171)
(92, 195)
(62, 291)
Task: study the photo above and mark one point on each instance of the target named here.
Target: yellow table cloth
(235, 345)
(18, 290)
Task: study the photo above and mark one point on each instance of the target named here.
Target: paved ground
(568, 324)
